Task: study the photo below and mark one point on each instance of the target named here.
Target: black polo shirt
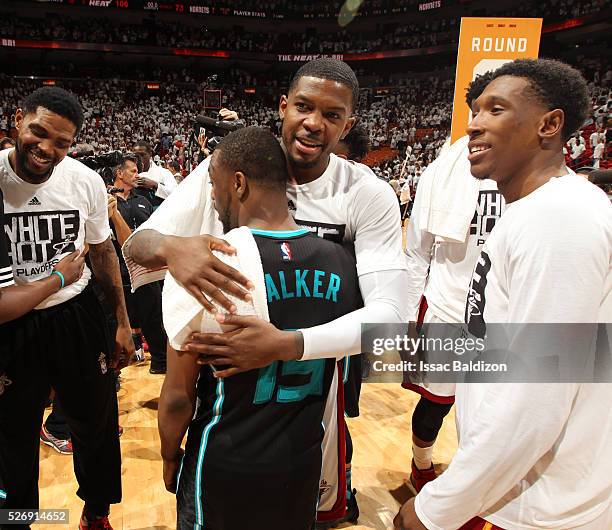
(135, 210)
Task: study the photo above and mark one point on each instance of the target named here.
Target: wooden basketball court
(381, 462)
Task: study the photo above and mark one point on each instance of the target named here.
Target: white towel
(183, 314)
(449, 194)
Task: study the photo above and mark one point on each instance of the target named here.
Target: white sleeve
(486, 466)
(97, 228)
(166, 185)
(377, 228)
(383, 294)
(419, 250)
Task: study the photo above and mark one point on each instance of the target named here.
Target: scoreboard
(200, 7)
(184, 6)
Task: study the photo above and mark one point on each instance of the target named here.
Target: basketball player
(259, 432)
(440, 269)
(335, 199)
(54, 205)
(531, 455)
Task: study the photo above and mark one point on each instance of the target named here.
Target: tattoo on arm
(144, 248)
(105, 266)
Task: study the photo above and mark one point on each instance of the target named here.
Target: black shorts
(216, 499)
(352, 384)
(65, 347)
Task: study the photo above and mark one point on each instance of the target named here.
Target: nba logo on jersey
(286, 251)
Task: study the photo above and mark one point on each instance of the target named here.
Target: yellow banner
(485, 44)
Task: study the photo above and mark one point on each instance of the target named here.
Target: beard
(22, 169)
(302, 164)
(481, 177)
(224, 217)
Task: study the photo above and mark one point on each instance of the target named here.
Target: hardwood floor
(381, 438)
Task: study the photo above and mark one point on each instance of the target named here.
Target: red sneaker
(100, 523)
(63, 447)
(420, 477)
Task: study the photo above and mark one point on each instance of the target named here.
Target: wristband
(61, 277)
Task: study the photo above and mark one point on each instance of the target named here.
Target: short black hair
(357, 142)
(331, 69)
(56, 100)
(128, 157)
(257, 153)
(174, 165)
(554, 84)
(145, 144)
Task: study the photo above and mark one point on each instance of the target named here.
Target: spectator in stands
(598, 152)
(575, 140)
(577, 150)
(175, 168)
(596, 137)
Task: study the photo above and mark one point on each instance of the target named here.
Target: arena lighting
(250, 90)
(566, 24)
(49, 82)
(348, 12)
(152, 86)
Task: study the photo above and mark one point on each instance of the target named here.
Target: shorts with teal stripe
(214, 498)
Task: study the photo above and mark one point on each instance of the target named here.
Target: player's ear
(282, 106)
(18, 118)
(551, 126)
(240, 185)
(350, 123)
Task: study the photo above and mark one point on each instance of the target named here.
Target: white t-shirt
(577, 150)
(164, 178)
(442, 270)
(349, 204)
(535, 456)
(596, 138)
(45, 222)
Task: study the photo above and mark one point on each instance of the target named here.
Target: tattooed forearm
(105, 266)
(145, 248)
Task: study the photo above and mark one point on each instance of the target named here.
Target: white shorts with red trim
(332, 486)
(443, 393)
